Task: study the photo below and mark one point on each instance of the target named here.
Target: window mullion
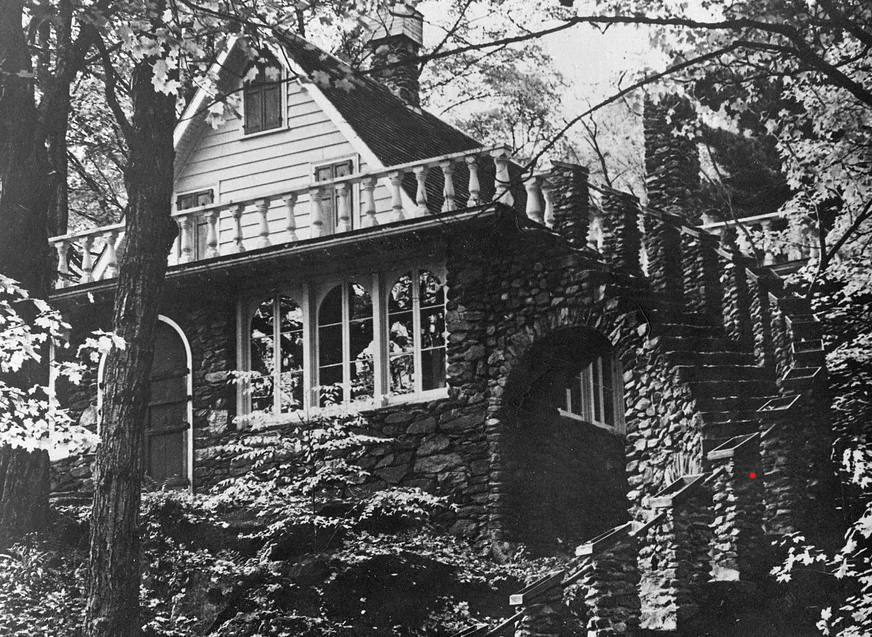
(416, 325)
(277, 355)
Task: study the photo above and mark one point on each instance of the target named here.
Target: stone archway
(561, 477)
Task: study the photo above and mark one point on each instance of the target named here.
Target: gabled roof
(395, 132)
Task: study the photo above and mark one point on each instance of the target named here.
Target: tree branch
(110, 85)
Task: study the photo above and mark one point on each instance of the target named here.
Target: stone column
(737, 302)
(622, 241)
(761, 320)
(702, 285)
(737, 496)
(675, 558)
(571, 202)
(608, 594)
(663, 247)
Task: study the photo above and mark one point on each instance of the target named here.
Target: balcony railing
(441, 184)
(762, 233)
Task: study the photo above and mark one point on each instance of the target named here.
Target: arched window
(596, 395)
(262, 96)
(345, 345)
(416, 333)
(277, 356)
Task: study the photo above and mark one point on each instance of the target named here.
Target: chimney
(671, 161)
(397, 37)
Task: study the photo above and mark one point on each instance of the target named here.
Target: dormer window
(262, 99)
(595, 395)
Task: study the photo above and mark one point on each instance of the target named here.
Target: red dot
(753, 475)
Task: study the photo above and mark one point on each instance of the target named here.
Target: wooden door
(167, 428)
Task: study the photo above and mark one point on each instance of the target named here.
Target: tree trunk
(24, 256)
(113, 595)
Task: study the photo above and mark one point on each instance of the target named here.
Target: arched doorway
(168, 448)
(563, 448)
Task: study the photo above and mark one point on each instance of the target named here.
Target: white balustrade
(206, 219)
(534, 207)
(369, 219)
(474, 185)
(236, 211)
(212, 234)
(421, 194)
(317, 214)
(548, 196)
(290, 216)
(503, 178)
(263, 225)
(447, 167)
(111, 256)
(186, 239)
(396, 178)
(343, 212)
(62, 248)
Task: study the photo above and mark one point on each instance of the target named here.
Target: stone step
(714, 358)
(695, 344)
(734, 388)
(717, 433)
(809, 358)
(686, 330)
(717, 372)
(734, 404)
(711, 417)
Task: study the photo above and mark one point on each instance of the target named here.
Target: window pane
(432, 369)
(360, 332)
(330, 345)
(272, 106)
(432, 291)
(402, 374)
(359, 303)
(343, 168)
(330, 312)
(330, 378)
(433, 328)
(262, 357)
(596, 369)
(324, 173)
(291, 338)
(400, 298)
(253, 99)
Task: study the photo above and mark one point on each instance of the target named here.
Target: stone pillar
(737, 302)
(671, 157)
(702, 284)
(663, 247)
(761, 320)
(571, 202)
(622, 241)
(543, 609)
(608, 594)
(674, 560)
(737, 496)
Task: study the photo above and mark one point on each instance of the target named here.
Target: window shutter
(254, 110)
(272, 106)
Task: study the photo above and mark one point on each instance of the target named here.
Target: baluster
(212, 234)
(548, 196)
(237, 211)
(421, 194)
(62, 247)
(810, 241)
(111, 256)
(768, 255)
(502, 178)
(369, 219)
(343, 214)
(290, 216)
(317, 214)
(87, 259)
(448, 188)
(173, 258)
(534, 206)
(263, 229)
(474, 185)
(186, 240)
(396, 195)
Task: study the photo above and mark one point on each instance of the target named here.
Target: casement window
(330, 197)
(197, 200)
(416, 333)
(595, 395)
(276, 358)
(345, 345)
(262, 99)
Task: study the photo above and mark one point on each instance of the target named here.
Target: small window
(595, 395)
(345, 345)
(330, 199)
(416, 333)
(262, 99)
(277, 356)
